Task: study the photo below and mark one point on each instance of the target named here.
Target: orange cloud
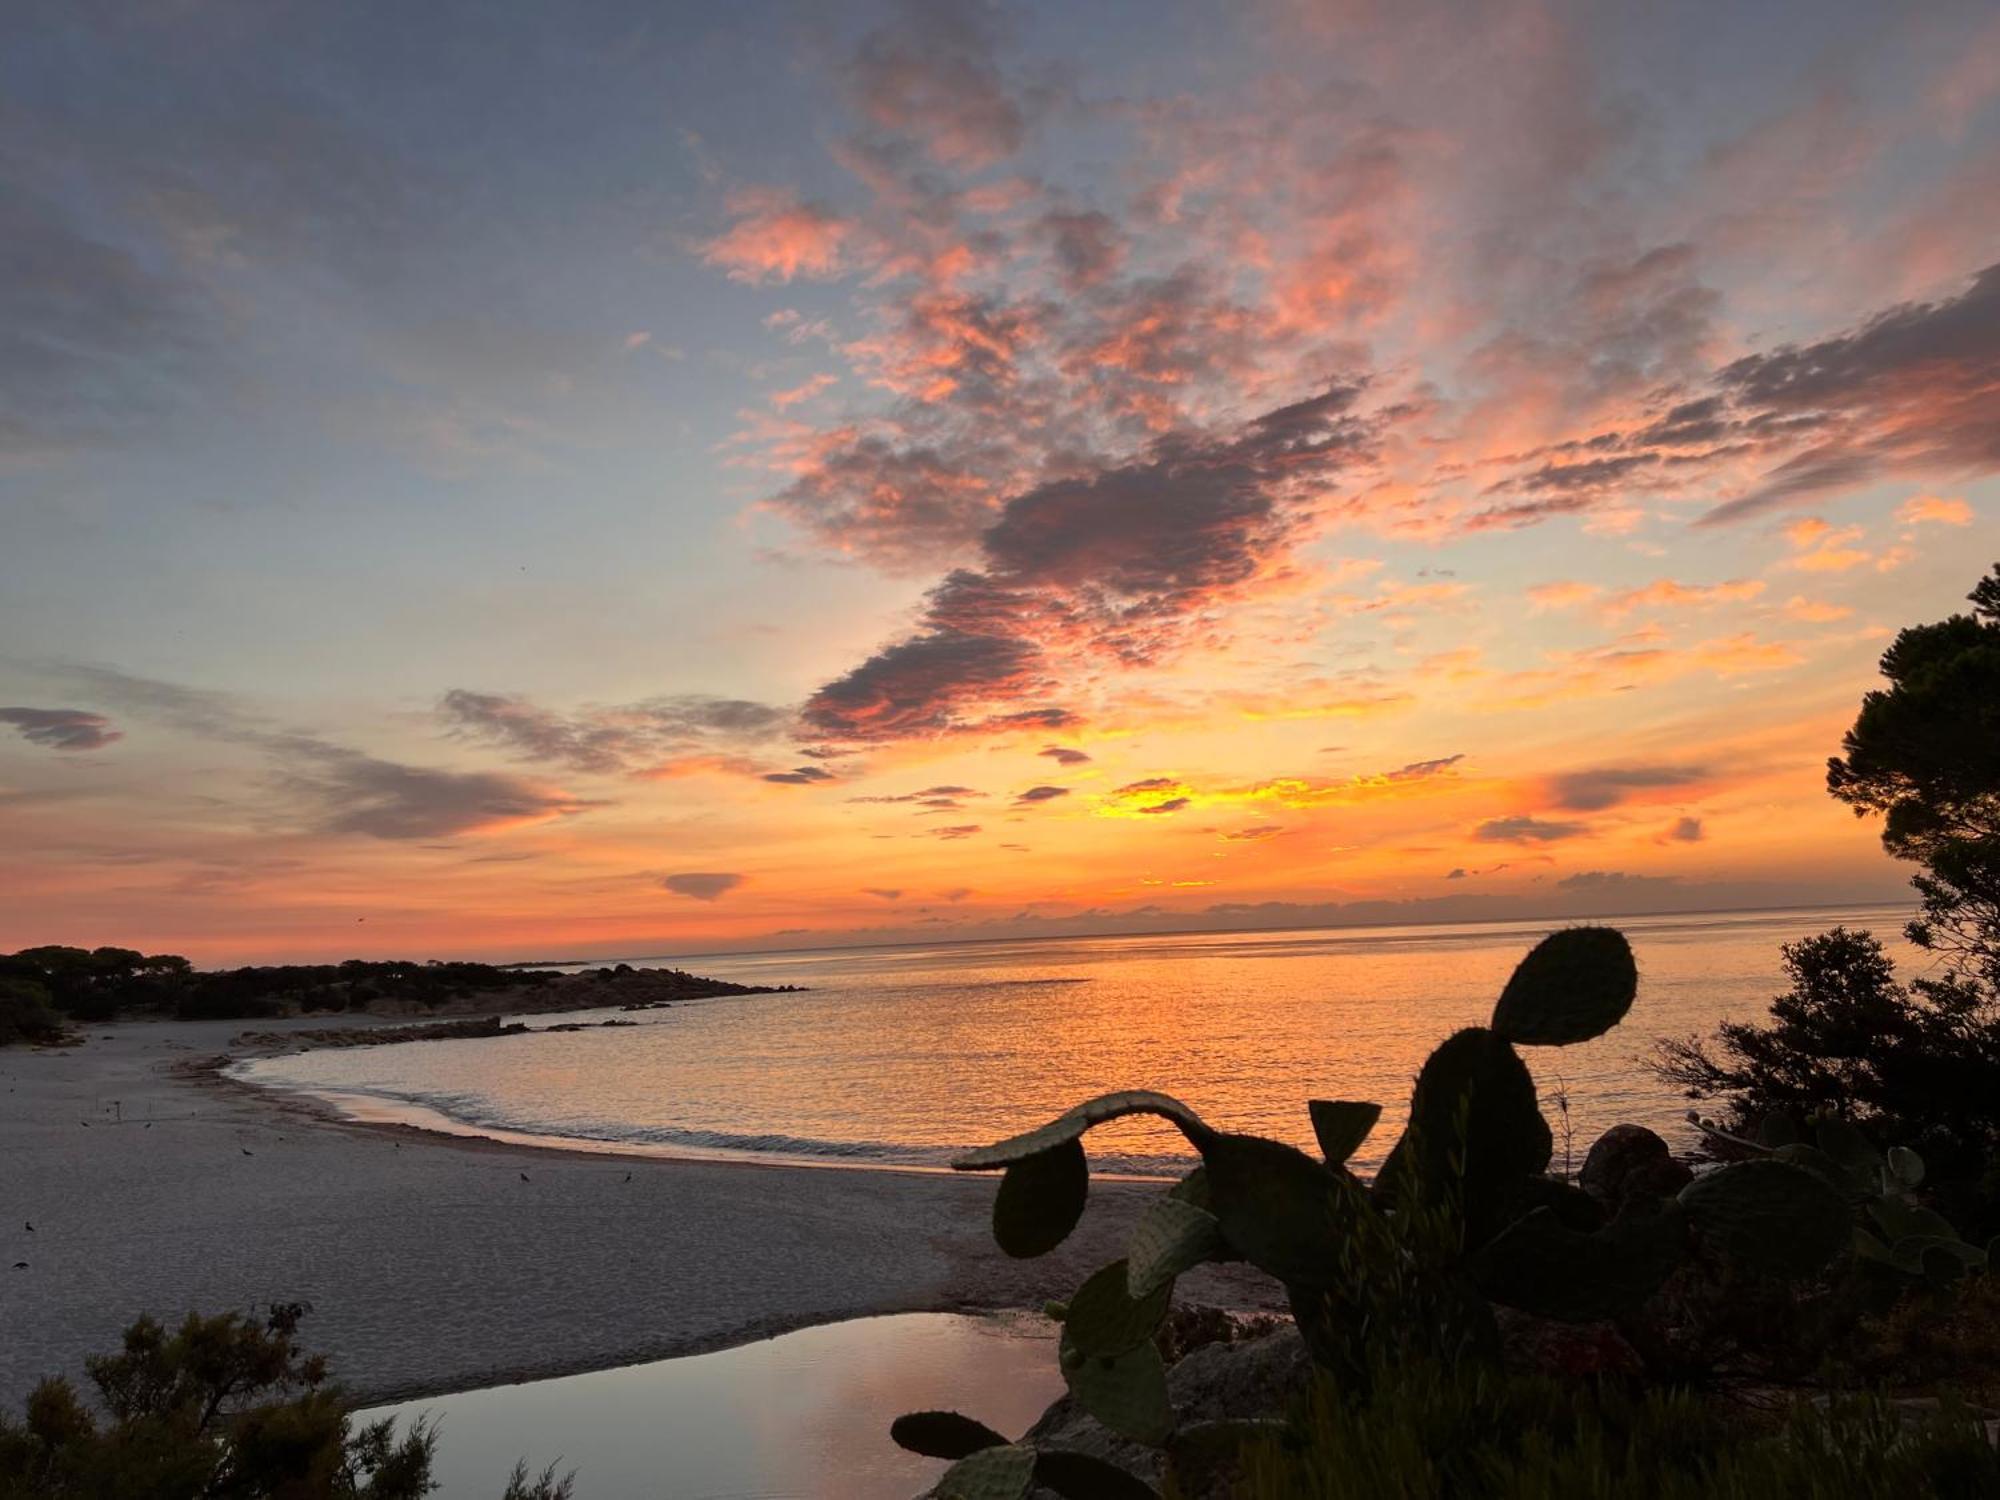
(776, 236)
(1932, 508)
(1561, 595)
(1664, 592)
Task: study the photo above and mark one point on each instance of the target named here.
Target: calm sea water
(902, 1056)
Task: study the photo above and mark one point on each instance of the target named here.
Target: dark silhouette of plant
(221, 1408)
(1917, 1062)
(1925, 753)
(1919, 1069)
(1462, 1216)
(25, 1013)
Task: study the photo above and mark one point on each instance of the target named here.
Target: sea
(900, 1057)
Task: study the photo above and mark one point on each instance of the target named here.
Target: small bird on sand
(246, 1150)
(31, 1227)
(524, 1177)
(628, 1176)
(20, 1265)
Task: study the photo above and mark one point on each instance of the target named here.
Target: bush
(221, 1408)
(25, 1013)
(1426, 1432)
(1915, 1067)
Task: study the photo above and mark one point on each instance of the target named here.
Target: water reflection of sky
(906, 1055)
(804, 1415)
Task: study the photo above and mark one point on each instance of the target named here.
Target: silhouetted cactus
(1880, 1216)
(1462, 1213)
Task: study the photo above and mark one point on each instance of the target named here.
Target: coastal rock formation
(1631, 1162)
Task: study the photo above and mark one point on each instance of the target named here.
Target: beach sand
(431, 1265)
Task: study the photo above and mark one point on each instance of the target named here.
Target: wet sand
(431, 1264)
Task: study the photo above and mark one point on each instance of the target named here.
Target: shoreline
(439, 1263)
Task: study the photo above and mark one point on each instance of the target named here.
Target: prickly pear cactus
(1769, 1215)
(1572, 986)
(942, 1434)
(1002, 1473)
(1040, 1200)
(1126, 1392)
(1341, 1125)
(1475, 1126)
(1104, 1318)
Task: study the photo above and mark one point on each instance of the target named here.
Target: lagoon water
(900, 1056)
(804, 1416)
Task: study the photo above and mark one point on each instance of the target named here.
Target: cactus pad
(1040, 1200)
(943, 1434)
(1906, 1165)
(1770, 1215)
(1572, 986)
(991, 1474)
(1278, 1208)
(1474, 1102)
(1084, 1476)
(1104, 1319)
(1071, 1124)
(1541, 1267)
(1171, 1236)
(1341, 1125)
(1127, 1393)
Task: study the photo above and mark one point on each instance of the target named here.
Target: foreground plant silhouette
(1462, 1216)
(221, 1408)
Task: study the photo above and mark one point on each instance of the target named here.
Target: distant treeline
(42, 987)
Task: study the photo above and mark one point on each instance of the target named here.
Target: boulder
(1258, 1376)
(1630, 1162)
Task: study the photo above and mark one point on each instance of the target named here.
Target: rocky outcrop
(1255, 1377)
(1630, 1162)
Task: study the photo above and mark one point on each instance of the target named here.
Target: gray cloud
(608, 740)
(1121, 562)
(1062, 755)
(335, 788)
(1036, 794)
(1615, 881)
(1595, 790)
(387, 800)
(799, 776)
(1526, 830)
(61, 728)
(701, 885)
(1686, 831)
(932, 78)
(1171, 805)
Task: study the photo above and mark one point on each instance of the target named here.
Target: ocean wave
(478, 1114)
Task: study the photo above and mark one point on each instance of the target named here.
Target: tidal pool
(804, 1416)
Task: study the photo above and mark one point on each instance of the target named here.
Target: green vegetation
(98, 984)
(1917, 1064)
(1405, 1272)
(26, 1014)
(1424, 1432)
(222, 1408)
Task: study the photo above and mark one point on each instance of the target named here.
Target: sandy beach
(430, 1263)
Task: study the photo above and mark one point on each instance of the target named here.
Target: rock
(1629, 1162)
(1253, 1377)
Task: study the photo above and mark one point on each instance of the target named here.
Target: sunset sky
(519, 480)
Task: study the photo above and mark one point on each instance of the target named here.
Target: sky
(507, 480)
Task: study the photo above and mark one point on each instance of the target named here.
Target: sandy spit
(431, 1265)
